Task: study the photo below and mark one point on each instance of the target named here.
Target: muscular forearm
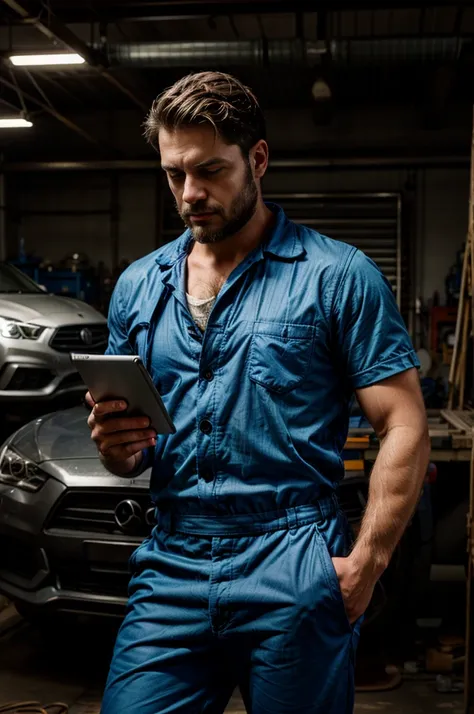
(395, 485)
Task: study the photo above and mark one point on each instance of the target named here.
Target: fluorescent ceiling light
(43, 60)
(14, 123)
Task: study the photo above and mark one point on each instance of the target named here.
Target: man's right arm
(125, 444)
(122, 442)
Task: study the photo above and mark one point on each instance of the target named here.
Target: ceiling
(375, 53)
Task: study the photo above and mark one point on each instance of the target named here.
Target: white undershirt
(200, 309)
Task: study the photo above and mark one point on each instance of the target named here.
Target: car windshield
(14, 281)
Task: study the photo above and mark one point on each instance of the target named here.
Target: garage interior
(369, 108)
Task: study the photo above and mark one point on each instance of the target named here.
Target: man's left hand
(356, 588)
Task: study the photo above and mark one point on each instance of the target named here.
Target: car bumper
(51, 600)
(57, 570)
(41, 376)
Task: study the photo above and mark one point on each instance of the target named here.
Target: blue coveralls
(236, 584)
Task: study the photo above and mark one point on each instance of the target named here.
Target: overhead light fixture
(46, 60)
(14, 123)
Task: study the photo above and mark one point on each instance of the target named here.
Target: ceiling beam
(58, 86)
(349, 162)
(16, 109)
(50, 110)
(56, 30)
(149, 10)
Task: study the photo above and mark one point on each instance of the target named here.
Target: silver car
(37, 333)
(68, 527)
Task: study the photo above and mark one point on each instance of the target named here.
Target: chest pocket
(280, 354)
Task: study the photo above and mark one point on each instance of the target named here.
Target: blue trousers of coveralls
(250, 600)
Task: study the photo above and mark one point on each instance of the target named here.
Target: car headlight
(17, 471)
(16, 330)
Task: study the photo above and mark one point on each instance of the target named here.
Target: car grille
(80, 338)
(94, 512)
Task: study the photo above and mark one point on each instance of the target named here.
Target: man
(257, 332)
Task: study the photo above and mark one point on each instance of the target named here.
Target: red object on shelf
(431, 473)
(443, 320)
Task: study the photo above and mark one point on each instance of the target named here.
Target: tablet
(124, 377)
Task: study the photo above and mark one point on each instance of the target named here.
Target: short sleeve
(371, 338)
(118, 337)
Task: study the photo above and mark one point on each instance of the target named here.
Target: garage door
(370, 222)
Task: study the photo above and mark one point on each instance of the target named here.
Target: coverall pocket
(280, 354)
(132, 561)
(331, 578)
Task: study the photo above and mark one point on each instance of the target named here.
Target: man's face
(213, 185)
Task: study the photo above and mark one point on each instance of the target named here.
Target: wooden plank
(357, 444)
(457, 334)
(461, 441)
(354, 465)
(467, 418)
(453, 418)
(462, 361)
(445, 432)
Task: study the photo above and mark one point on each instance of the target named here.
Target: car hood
(48, 310)
(61, 443)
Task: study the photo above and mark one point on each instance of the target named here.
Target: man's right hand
(120, 440)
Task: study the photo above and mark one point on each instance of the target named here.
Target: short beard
(241, 211)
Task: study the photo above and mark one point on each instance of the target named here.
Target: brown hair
(209, 98)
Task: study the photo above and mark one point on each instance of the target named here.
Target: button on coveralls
(236, 584)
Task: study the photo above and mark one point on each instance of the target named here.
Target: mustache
(197, 210)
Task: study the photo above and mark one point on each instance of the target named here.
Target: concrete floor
(71, 667)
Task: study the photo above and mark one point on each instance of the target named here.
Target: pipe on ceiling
(198, 54)
(391, 50)
(290, 51)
